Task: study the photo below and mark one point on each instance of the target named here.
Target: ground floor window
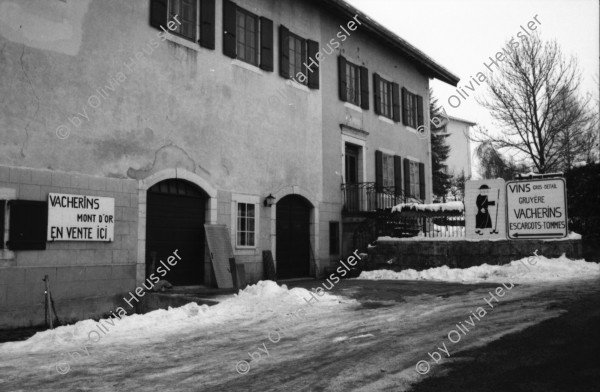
(246, 225)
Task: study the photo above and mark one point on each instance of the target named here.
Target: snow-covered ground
(268, 338)
(526, 270)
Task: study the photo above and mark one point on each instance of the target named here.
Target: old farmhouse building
(127, 126)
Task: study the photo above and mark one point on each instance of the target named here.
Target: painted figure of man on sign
(483, 220)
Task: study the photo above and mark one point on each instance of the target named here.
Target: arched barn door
(293, 237)
(175, 221)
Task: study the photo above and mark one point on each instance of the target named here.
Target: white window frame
(245, 199)
(6, 194)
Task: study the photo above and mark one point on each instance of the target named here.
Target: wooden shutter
(2, 216)
(420, 120)
(28, 225)
(284, 52)
(207, 24)
(266, 44)
(398, 175)
(396, 102)
(158, 13)
(229, 29)
(407, 178)
(313, 77)
(364, 88)
(378, 171)
(377, 94)
(405, 98)
(343, 85)
(422, 180)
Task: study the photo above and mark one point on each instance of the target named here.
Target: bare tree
(493, 165)
(534, 98)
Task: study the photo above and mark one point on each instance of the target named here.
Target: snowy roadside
(526, 270)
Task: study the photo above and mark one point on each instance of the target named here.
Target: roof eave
(424, 63)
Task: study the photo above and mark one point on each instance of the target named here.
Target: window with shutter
(383, 97)
(353, 85)
(297, 57)
(28, 225)
(412, 109)
(186, 12)
(246, 36)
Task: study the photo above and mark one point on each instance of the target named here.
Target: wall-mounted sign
(80, 218)
(536, 209)
(484, 209)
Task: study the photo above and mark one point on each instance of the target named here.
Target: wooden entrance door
(293, 238)
(175, 221)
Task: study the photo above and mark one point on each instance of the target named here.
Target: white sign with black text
(536, 209)
(80, 218)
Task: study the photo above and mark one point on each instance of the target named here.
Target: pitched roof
(424, 63)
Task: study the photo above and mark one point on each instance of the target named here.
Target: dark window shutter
(284, 52)
(396, 102)
(266, 44)
(158, 13)
(377, 90)
(378, 171)
(364, 88)
(420, 120)
(28, 225)
(407, 177)
(422, 180)
(229, 29)
(2, 216)
(405, 99)
(343, 85)
(398, 175)
(313, 77)
(207, 24)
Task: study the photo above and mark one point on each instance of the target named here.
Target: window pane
(250, 239)
(250, 208)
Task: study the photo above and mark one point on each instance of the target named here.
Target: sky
(462, 34)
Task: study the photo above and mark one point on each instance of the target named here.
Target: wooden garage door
(175, 221)
(293, 238)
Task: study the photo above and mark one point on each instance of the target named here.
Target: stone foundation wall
(421, 255)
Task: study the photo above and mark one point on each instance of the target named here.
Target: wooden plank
(219, 248)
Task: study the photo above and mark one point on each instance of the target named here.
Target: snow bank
(460, 236)
(257, 302)
(453, 206)
(527, 270)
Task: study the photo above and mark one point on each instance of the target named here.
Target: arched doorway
(293, 237)
(176, 213)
